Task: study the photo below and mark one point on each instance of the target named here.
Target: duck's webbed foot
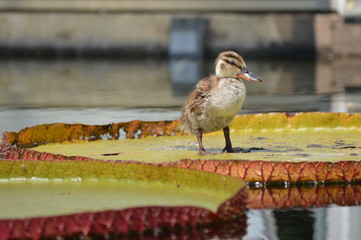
(236, 150)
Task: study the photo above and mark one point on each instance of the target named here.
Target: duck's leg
(202, 151)
(228, 148)
(199, 135)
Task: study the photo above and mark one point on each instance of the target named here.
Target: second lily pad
(46, 199)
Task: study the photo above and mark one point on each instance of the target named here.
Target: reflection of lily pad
(304, 197)
(293, 148)
(38, 196)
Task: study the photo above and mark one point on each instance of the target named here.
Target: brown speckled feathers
(196, 99)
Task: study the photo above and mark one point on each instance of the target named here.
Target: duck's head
(230, 65)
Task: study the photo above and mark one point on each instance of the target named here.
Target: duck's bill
(247, 75)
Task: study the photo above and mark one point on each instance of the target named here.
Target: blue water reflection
(331, 223)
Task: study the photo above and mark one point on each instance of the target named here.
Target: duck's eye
(245, 70)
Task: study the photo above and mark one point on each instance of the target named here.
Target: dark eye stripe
(231, 63)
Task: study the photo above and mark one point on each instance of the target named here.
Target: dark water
(102, 91)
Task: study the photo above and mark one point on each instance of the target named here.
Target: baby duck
(217, 99)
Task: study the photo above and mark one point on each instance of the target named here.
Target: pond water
(104, 91)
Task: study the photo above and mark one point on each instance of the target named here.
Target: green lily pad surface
(52, 199)
(38, 189)
(274, 146)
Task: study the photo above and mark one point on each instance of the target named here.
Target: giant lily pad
(47, 199)
(285, 147)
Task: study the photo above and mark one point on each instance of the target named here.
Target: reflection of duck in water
(217, 99)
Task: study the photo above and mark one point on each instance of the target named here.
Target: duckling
(217, 99)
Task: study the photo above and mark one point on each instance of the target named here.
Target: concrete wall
(334, 37)
(145, 33)
(167, 5)
(84, 31)
(119, 28)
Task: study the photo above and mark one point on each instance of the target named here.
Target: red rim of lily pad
(154, 222)
(14, 146)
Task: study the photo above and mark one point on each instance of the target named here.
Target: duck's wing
(196, 102)
(197, 99)
(206, 84)
(192, 108)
